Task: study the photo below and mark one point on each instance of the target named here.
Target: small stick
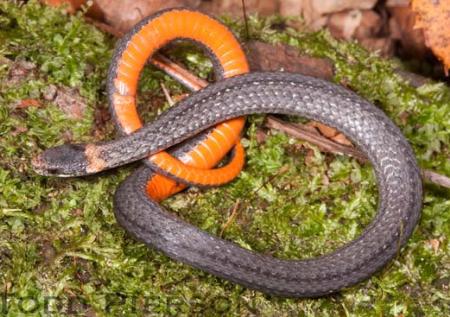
(324, 143)
(104, 27)
(244, 11)
(167, 95)
(300, 132)
(232, 216)
(436, 178)
(177, 72)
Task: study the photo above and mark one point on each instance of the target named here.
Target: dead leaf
(331, 133)
(261, 136)
(179, 97)
(324, 129)
(311, 127)
(78, 212)
(341, 139)
(47, 252)
(325, 180)
(433, 16)
(74, 5)
(404, 116)
(358, 24)
(309, 158)
(344, 24)
(7, 287)
(401, 27)
(366, 26)
(331, 6)
(25, 103)
(19, 71)
(70, 101)
(314, 11)
(124, 14)
(434, 244)
(371, 25)
(291, 7)
(50, 92)
(384, 46)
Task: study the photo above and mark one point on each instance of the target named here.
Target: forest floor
(62, 252)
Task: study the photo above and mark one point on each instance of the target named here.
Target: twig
(327, 145)
(244, 11)
(104, 27)
(177, 72)
(232, 216)
(436, 178)
(324, 143)
(167, 95)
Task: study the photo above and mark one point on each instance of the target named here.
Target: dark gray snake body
(398, 178)
(397, 174)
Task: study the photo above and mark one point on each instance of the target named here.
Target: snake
(371, 131)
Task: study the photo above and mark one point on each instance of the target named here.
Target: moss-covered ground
(62, 252)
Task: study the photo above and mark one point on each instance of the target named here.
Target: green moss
(61, 250)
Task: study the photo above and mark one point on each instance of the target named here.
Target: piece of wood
(322, 142)
(436, 178)
(267, 57)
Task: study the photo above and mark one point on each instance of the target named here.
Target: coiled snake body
(393, 161)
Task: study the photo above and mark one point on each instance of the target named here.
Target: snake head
(63, 161)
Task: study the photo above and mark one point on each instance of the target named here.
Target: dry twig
(436, 178)
(301, 132)
(304, 133)
(167, 95)
(232, 217)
